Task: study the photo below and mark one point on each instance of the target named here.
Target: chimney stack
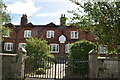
(63, 20)
(24, 19)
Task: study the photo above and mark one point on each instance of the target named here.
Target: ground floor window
(103, 49)
(54, 48)
(21, 45)
(67, 48)
(8, 46)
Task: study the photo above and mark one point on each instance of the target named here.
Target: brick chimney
(63, 20)
(24, 19)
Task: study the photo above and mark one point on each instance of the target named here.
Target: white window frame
(50, 34)
(73, 35)
(103, 49)
(21, 45)
(8, 44)
(67, 48)
(56, 48)
(7, 34)
(27, 33)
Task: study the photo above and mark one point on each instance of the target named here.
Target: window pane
(8, 46)
(76, 34)
(21, 45)
(50, 34)
(27, 33)
(54, 48)
(103, 50)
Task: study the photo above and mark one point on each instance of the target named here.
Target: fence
(101, 67)
(56, 68)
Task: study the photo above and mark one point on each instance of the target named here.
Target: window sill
(74, 38)
(55, 52)
(26, 37)
(5, 37)
(8, 50)
(49, 38)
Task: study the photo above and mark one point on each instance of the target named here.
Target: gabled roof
(51, 25)
(9, 25)
(30, 24)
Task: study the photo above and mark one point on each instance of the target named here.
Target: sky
(39, 12)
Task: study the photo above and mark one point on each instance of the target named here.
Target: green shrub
(80, 49)
(79, 52)
(40, 71)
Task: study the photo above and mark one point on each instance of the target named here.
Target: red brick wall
(40, 32)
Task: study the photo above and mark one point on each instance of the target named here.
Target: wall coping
(102, 58)
(6, 54)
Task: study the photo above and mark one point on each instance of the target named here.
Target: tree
(101, 18)
(4, 18)
(37, 55)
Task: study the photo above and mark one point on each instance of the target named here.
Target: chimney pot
(64, 15)
(24, 19)
(62, 20)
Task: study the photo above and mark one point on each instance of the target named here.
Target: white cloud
(51, 14)
(27, 7)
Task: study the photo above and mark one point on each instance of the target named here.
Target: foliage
(102, 18)
(80, 49)
(40, 71)
(38, 54)
(4, 18)
(8, 77)
(37, 48)
(79, 54)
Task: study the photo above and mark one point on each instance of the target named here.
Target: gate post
(92, 64)
(118, 65)
(22, 57)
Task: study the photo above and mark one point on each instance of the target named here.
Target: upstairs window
(7, 33)
(8, 46)
(103, 49)
(50, 34)
(54, 48)
(27, 33)
(74, 34)
(21, 45)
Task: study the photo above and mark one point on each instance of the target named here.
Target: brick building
(58, 36)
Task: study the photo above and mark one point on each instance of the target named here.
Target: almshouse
(59, 37)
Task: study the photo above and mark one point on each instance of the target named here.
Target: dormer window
(27, 33)
(50, 34)
(74, 34)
